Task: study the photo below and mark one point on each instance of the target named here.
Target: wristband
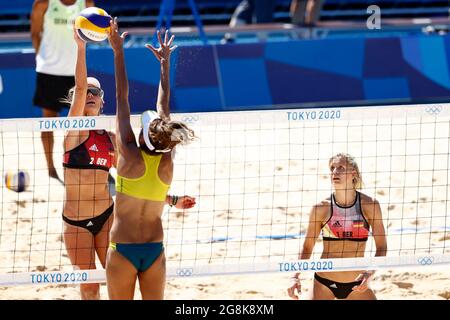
(174, 200)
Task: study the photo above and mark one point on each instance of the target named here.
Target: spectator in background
(56, 51)
(305, 12)
(251, 11)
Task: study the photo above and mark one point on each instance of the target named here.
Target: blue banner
(323, 72)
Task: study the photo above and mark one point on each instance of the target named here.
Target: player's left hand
(364, 277)
(165, 49)
(185, 202)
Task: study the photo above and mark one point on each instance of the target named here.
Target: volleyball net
(255, 176)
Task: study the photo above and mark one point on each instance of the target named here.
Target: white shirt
(58, 50)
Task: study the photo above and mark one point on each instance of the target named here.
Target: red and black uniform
(345, 223)
(96, 152)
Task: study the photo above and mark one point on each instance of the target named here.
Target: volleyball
(92, 24)
(17, 181)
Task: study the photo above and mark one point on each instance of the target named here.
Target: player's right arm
(317, 216)
(81, 85)
(126, 141)
(72, 138)
(37, 22)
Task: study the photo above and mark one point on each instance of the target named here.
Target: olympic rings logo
(425, 261)
(190, 119)
(185, 272)
(433, 109)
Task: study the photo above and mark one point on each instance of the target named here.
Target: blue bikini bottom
(141, 255)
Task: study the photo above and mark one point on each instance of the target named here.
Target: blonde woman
(88, 156)
(144, 174)
(345, 219)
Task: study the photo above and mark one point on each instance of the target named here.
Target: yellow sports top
(149, 186)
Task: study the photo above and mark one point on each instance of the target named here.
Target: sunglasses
(97, 92)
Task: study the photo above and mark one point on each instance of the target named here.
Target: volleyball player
(345, 219)
(89, 154)
(144, 175)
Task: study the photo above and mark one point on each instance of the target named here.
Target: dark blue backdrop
(255, 76)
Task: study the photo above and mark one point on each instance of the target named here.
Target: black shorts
(51, 89)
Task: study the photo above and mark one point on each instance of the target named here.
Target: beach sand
(255, 180)
(397, 284)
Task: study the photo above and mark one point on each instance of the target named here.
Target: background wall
(324, 72)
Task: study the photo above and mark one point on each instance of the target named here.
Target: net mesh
(255, 176)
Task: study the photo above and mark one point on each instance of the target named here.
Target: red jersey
(346, 223)
(96, 152)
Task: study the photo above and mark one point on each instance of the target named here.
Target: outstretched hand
(165, 49)
(114, 38)
(185, 202)
(80, 42)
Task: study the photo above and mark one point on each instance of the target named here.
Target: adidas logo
(337, 224)
(93, 148)
(90, 224)
(333, 285)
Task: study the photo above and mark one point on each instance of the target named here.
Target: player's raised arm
(163, 56)
(124, 131)
(79, 91)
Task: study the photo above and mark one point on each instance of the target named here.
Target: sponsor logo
(337, 225)
(93, 148)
